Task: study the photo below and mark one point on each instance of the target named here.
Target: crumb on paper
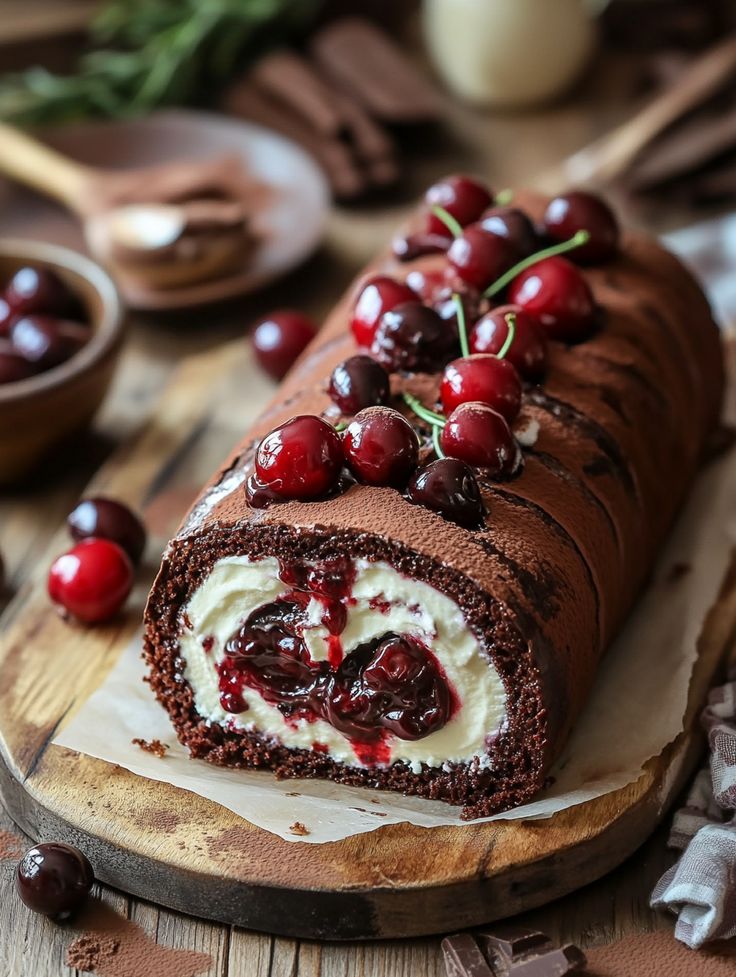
(297, 828)
(293, 793)
(156, 747)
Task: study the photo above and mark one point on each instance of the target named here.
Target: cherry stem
(576, 241)
(436, 441)
(503, 197)
(462, 329)
(341, 426)
(454, 227)
(427, 415)
(510, 318)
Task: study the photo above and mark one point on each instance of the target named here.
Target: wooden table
(509, 149)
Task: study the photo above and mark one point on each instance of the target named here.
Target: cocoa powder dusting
(156, 747)
(112, 946)
(647, 954)
(11, 845)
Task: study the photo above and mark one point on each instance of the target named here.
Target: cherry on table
(54, 879)
(280, 338)
(582, 211)
(528, 350)
(481, 437)
(557, 295)
(33, 291)
(300, 459)
(92, 580)
(46, 341)
(108, 519)
(378, 295)
(381, 447)
(359, 382)
(482, 378)
(412, 336)
(462, 197)
(514, 225)
(13, 366)
(479, 256)
(449, 487)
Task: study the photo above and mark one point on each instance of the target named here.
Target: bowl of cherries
(61, 325)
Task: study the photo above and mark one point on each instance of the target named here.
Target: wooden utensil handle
(30, 162)
(608, 157)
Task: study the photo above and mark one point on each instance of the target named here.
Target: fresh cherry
(381, 447)
(54, 879)
(45, 341)
(7, 317)
(412, 337)
(359, 382)
(479, 257)
(92, 580)
(581, 211)
(13, 366)
(462, 197)
(300, 459)
(482, 378)
(556, 294)
(34, 291)
(280, 338)
(378, 295)
(413, 246)
(108, 519)
(528, 349)
(481, 437)
(513, 224)
(448, 486)
(438, 289)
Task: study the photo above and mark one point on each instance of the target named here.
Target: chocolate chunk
(520, 953)
(463, 957)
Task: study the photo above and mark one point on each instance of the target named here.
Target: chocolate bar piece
(464, 958)
(518, 953)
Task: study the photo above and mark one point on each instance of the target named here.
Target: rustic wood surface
(183, 851)
(509, 148)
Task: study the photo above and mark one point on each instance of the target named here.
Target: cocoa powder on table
(654, 954)
(11, 845)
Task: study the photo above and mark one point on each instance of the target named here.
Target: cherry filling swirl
(391, 685)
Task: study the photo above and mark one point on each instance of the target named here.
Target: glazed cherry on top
(462, 197)
(300, 459)
(481, 378)
(528, 350)
(378, 295)
(577, 211)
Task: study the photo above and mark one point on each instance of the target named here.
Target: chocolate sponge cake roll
(406, 574)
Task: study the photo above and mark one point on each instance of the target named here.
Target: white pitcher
(510, 53)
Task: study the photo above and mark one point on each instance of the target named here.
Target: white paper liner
(636, 707)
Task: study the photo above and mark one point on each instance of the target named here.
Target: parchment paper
(636, 708)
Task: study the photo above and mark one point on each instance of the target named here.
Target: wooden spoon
(159, 227)
(608, 157)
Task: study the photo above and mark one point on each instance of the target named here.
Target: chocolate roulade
(397, 619)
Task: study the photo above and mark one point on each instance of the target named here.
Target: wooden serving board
(182, 851)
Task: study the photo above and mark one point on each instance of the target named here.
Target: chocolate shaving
(156, 747)
(362, 60)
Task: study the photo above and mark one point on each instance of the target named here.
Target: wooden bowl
(43, 411)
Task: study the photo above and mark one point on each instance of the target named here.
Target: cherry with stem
(576, 241)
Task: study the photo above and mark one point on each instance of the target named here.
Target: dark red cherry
(413, 246)
(108, 519)
(479, 436)
(412, 337)
(359, 382)
(300, 459)
(7, 317)
(481, 378)
(556, 294)
(92, 581)
(480, 257)
(258, 494)
(581, 211)
(280, 338)
(528, 350)
(54, 879)
(378, 295)
(45, 341)
(381, 447)
(13, 366)
(448, 486)
(461, 196)
(33, 291)
(513, 224)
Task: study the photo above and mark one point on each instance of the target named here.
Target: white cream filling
(237, 586)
